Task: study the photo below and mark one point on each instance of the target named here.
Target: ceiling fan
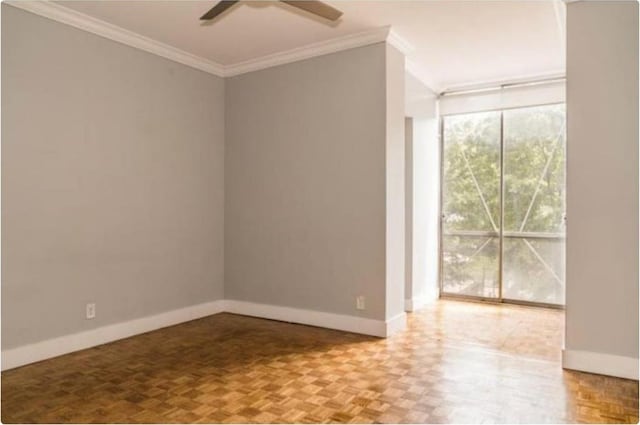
(313, 6)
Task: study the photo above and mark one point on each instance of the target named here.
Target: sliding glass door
(471, 205)
(534, 204)
(503, 202)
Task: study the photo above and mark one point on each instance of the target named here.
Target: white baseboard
(47, 349)
(396, 324)
(414, 304)
(603, 364)
(340, 322)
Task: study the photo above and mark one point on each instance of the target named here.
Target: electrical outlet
(91, 311)
(360, 302)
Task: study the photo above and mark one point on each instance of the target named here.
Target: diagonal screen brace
(542, 176)
(475, 182)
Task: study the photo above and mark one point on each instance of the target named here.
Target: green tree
(534, 197)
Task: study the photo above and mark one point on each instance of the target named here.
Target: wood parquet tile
(456, 363)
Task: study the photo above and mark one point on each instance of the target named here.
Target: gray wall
(426, 210)
(395, 185)
(408, 208)
(602, 177)
(305, 196)
(112, 181)
(422, 194)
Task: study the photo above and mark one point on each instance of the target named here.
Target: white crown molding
(399, 43)
(377, 35)
(104, 29)
(600, 363)
(64, 15)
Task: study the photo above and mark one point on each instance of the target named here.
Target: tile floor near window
(457, 362)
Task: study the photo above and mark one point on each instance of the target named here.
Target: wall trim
(413, 304)
(338, 44)
(426, 298)
(47, 349)
(484, 84)
(104, 29)
(586, 361)
(82, 21)
(603, 364)
(408, 305)
(397, 323)
(340, 322)
(31, 353)
(399, 42)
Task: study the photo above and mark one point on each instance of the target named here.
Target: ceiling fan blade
(218, 9)
(317, 8)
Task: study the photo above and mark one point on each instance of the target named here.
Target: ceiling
(455, 43)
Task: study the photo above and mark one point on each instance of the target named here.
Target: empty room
(319, 211)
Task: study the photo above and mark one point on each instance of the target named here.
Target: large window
(503, 203)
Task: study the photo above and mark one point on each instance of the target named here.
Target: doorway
(503, 205)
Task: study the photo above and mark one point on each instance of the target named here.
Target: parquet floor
(457, 362)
